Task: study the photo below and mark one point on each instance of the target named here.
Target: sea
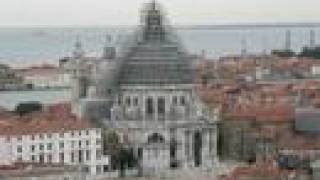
(25, 46)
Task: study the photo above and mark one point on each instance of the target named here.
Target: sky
(180, 12)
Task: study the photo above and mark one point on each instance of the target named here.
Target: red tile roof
(41, 70)
(259, 171)
(275, 112)
(55, 119)
(268, 133)
(301, 141)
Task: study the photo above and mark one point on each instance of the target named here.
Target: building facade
(9, 80)
(64, 143)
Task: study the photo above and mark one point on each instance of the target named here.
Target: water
(25, 46)
(10, 99)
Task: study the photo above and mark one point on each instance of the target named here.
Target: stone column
(206, 158)
(177, 137)
(181, 148)
(155, 108)
(190, 155)
(214, 135)
(186, 147)
(143, 111)
(168, 106)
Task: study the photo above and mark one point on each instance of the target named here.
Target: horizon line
(183, 26)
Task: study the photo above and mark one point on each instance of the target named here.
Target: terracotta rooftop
(52, 120)
(26, 169)
(276, 112)
(42, 70)
(268, 133)
(259, 171)
(301, 141)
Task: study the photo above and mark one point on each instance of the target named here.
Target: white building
(46, 77)
(65, 142)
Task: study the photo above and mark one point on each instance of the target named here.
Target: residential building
(9, 80)
(249, 133)
(304, 150)
(45, 77)
(51, 138)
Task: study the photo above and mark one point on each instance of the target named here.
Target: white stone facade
(184, 118)
(81, 147)
(55, 80)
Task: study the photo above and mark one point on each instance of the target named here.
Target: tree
(28, 107)
(126, 159)
(310, 52)
(122, 157)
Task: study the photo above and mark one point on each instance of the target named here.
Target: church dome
(157, 56)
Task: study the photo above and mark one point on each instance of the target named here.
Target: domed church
(147, 94)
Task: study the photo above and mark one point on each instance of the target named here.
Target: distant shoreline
(213, 26)
(252, 26)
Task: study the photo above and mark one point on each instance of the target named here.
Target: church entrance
(197, 147)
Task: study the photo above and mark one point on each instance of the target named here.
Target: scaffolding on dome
(153, 55)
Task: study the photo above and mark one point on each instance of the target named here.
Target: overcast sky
(182, 12)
